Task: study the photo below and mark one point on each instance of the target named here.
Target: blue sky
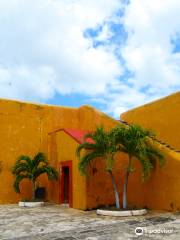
(113, 54)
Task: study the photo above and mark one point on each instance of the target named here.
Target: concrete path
(53, 222)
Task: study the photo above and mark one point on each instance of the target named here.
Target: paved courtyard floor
(58, 223)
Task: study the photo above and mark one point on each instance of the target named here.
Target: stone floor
(58, 223)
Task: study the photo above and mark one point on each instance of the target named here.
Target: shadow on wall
(161, 190)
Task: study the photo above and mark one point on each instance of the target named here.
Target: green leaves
(39, 159)
(25, 167)
(133, 140)
(24, 159)
(136, 142)
(86, 161)
(103, 146)
(20, 167)
(18, 179)
(51, 172)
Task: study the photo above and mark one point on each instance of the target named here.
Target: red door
(66, 182)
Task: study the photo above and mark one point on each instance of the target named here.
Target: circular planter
(122, 213)
(31, 204)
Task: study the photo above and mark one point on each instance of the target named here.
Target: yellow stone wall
(163, 116)
(20, 131)
(99, 185)
(161, 191)
(24, 129)
(65, 150)
(29, 128)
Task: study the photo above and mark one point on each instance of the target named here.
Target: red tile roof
(77, 135)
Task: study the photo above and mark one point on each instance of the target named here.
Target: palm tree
(137, 143)
(25, 167)
(102, 145)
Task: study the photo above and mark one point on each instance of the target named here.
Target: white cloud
(124, 99)
(22, 82)
(148, 53)
(43, 51)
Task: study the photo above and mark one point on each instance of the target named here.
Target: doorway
(66, 183)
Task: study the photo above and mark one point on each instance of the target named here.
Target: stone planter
(122, 213)
(31, 204)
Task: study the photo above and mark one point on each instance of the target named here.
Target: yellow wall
(24, 129)
(20, 134)
(65, 150)
(163, 116)
(99, 185)
(161, 191)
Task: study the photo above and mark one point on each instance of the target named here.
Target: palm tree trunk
(115, 189)
(33, 190)
(126, 184)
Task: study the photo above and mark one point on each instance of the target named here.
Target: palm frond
(83, 146)
(109, 162)
(39, 158)
(17, 181)
(147, 167)
(86, 160)
(154, 155)
(50, 171)
(88, 135)
(25, 167)
(23, 163)
(20, 167)
(24, 158)
(136, 141)
(104, 145)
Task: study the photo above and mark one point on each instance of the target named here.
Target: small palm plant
(25, 167)
(101, 146)
(137, 143)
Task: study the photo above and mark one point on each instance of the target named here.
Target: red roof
(77, 135)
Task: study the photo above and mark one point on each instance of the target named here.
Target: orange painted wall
(24, 129)
(89, 191)
(99, 185)
(163, 116)
(65, 150)
(161, 191)
(20, 132)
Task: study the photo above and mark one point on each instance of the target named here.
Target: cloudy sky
(111, 54)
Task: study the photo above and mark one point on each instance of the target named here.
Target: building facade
(57, 131)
